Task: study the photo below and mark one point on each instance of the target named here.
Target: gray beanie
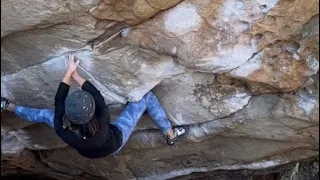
(80, 107)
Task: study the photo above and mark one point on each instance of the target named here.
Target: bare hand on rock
(72, 64)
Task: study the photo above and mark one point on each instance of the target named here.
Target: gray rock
(128, 71)
(23, 15)
(10, 145)
(27, 48)
(36, 86)
(30, 137)
(111, 167)
(192, 98)
(177, 52)
(258, 121)
(302, 171)
(10, 121)
(213, 153)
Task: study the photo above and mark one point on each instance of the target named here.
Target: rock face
(192, 98)
(242, 74)
(278, 67)
(17, 15)
(298, 171)
(231, 35)
(131, 12)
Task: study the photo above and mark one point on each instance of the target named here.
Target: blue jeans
(35, 115)
(126, 122)
(132, 113)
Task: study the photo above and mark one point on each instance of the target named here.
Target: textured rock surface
(131, 12)
(21, 15)
(206, 36)
(26, 48)
(242, 74)
(128, 70)
(192, 98)
(222, 35)
(308, 170)
(277, 69)
(298, 171)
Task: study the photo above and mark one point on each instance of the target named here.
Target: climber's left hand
(72, 64)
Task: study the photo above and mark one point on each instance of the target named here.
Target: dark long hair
(87, 130)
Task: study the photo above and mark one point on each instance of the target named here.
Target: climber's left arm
(63, 91)
(66, 135)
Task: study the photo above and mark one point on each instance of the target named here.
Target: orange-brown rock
(131, 11)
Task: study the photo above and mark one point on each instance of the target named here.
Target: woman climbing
(82, 119)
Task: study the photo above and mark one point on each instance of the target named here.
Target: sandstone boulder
(236, 36)
(242, 74)
(192, 98)
(128, 71)
(27, 48)
(22, 15)
(36, 86)
(205, 36)
(131, 12)
(277, 68)
(285, 20)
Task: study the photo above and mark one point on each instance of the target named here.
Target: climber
(82, 119)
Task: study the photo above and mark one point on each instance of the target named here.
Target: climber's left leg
(30, 114)
(132, 113)
(129, 117)
(159, 117)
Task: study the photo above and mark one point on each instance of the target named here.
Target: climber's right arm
(60, 97)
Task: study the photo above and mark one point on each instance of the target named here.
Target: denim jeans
(36, 115)
(126, 122)
(132, 113)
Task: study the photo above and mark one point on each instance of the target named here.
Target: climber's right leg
(30, 114)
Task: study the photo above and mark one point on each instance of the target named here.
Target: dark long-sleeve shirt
(105, 142)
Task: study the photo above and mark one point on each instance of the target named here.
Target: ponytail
(84, 131)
